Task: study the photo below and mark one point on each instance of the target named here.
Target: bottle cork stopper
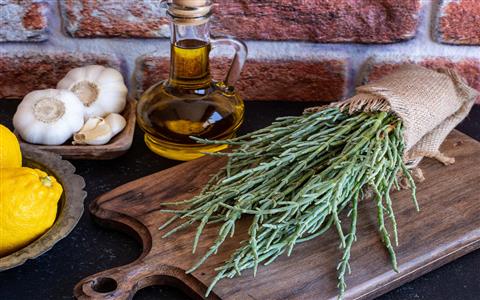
(191, 3)
(190, 11)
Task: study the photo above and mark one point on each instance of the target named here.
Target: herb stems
(294, 178)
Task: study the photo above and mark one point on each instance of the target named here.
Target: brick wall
(300, 50)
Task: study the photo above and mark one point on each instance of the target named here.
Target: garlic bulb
(48, 117)
(99, 131)
(101, 90)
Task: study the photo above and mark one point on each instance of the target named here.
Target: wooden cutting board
(447, 227)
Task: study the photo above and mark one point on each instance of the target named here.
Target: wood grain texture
(447, 227)
(117, 146)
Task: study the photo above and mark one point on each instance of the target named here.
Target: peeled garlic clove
(117, 122)
(96, 131)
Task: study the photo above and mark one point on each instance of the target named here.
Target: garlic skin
(100, 89)
(117, 122)
(95, 132)
(48, 117)
(99, 131)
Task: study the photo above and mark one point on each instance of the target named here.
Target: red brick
(24, 20)
(469, 68)
(292, 80)
(34, 18)
(20, 74)
(89, 18)
(459, 22)
(365, 21)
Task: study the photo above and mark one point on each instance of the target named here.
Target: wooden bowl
(116, 147)
(70, 206)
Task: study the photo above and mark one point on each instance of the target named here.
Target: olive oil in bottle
(190, 103)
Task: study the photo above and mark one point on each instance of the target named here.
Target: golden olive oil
(188, 104)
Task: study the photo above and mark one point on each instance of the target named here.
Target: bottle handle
(238, 59)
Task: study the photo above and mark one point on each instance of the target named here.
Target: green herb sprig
(294, 178)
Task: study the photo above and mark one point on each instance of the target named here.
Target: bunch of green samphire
(294, 178)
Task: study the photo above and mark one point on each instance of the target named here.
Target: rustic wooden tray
(115, 148)
(447, 227)
(70, 206)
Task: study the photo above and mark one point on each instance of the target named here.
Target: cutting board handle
(110, 284)
(123, 282)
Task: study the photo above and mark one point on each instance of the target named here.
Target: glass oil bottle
(189, 103)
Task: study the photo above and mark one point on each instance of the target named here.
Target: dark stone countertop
(91, 248)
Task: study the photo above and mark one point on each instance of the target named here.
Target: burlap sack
(430, 104)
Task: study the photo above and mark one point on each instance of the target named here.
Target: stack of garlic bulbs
(85, 105)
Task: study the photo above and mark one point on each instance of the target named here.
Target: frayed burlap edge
(360, 102)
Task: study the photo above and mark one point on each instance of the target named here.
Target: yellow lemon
(10, 155)
(28, 206)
